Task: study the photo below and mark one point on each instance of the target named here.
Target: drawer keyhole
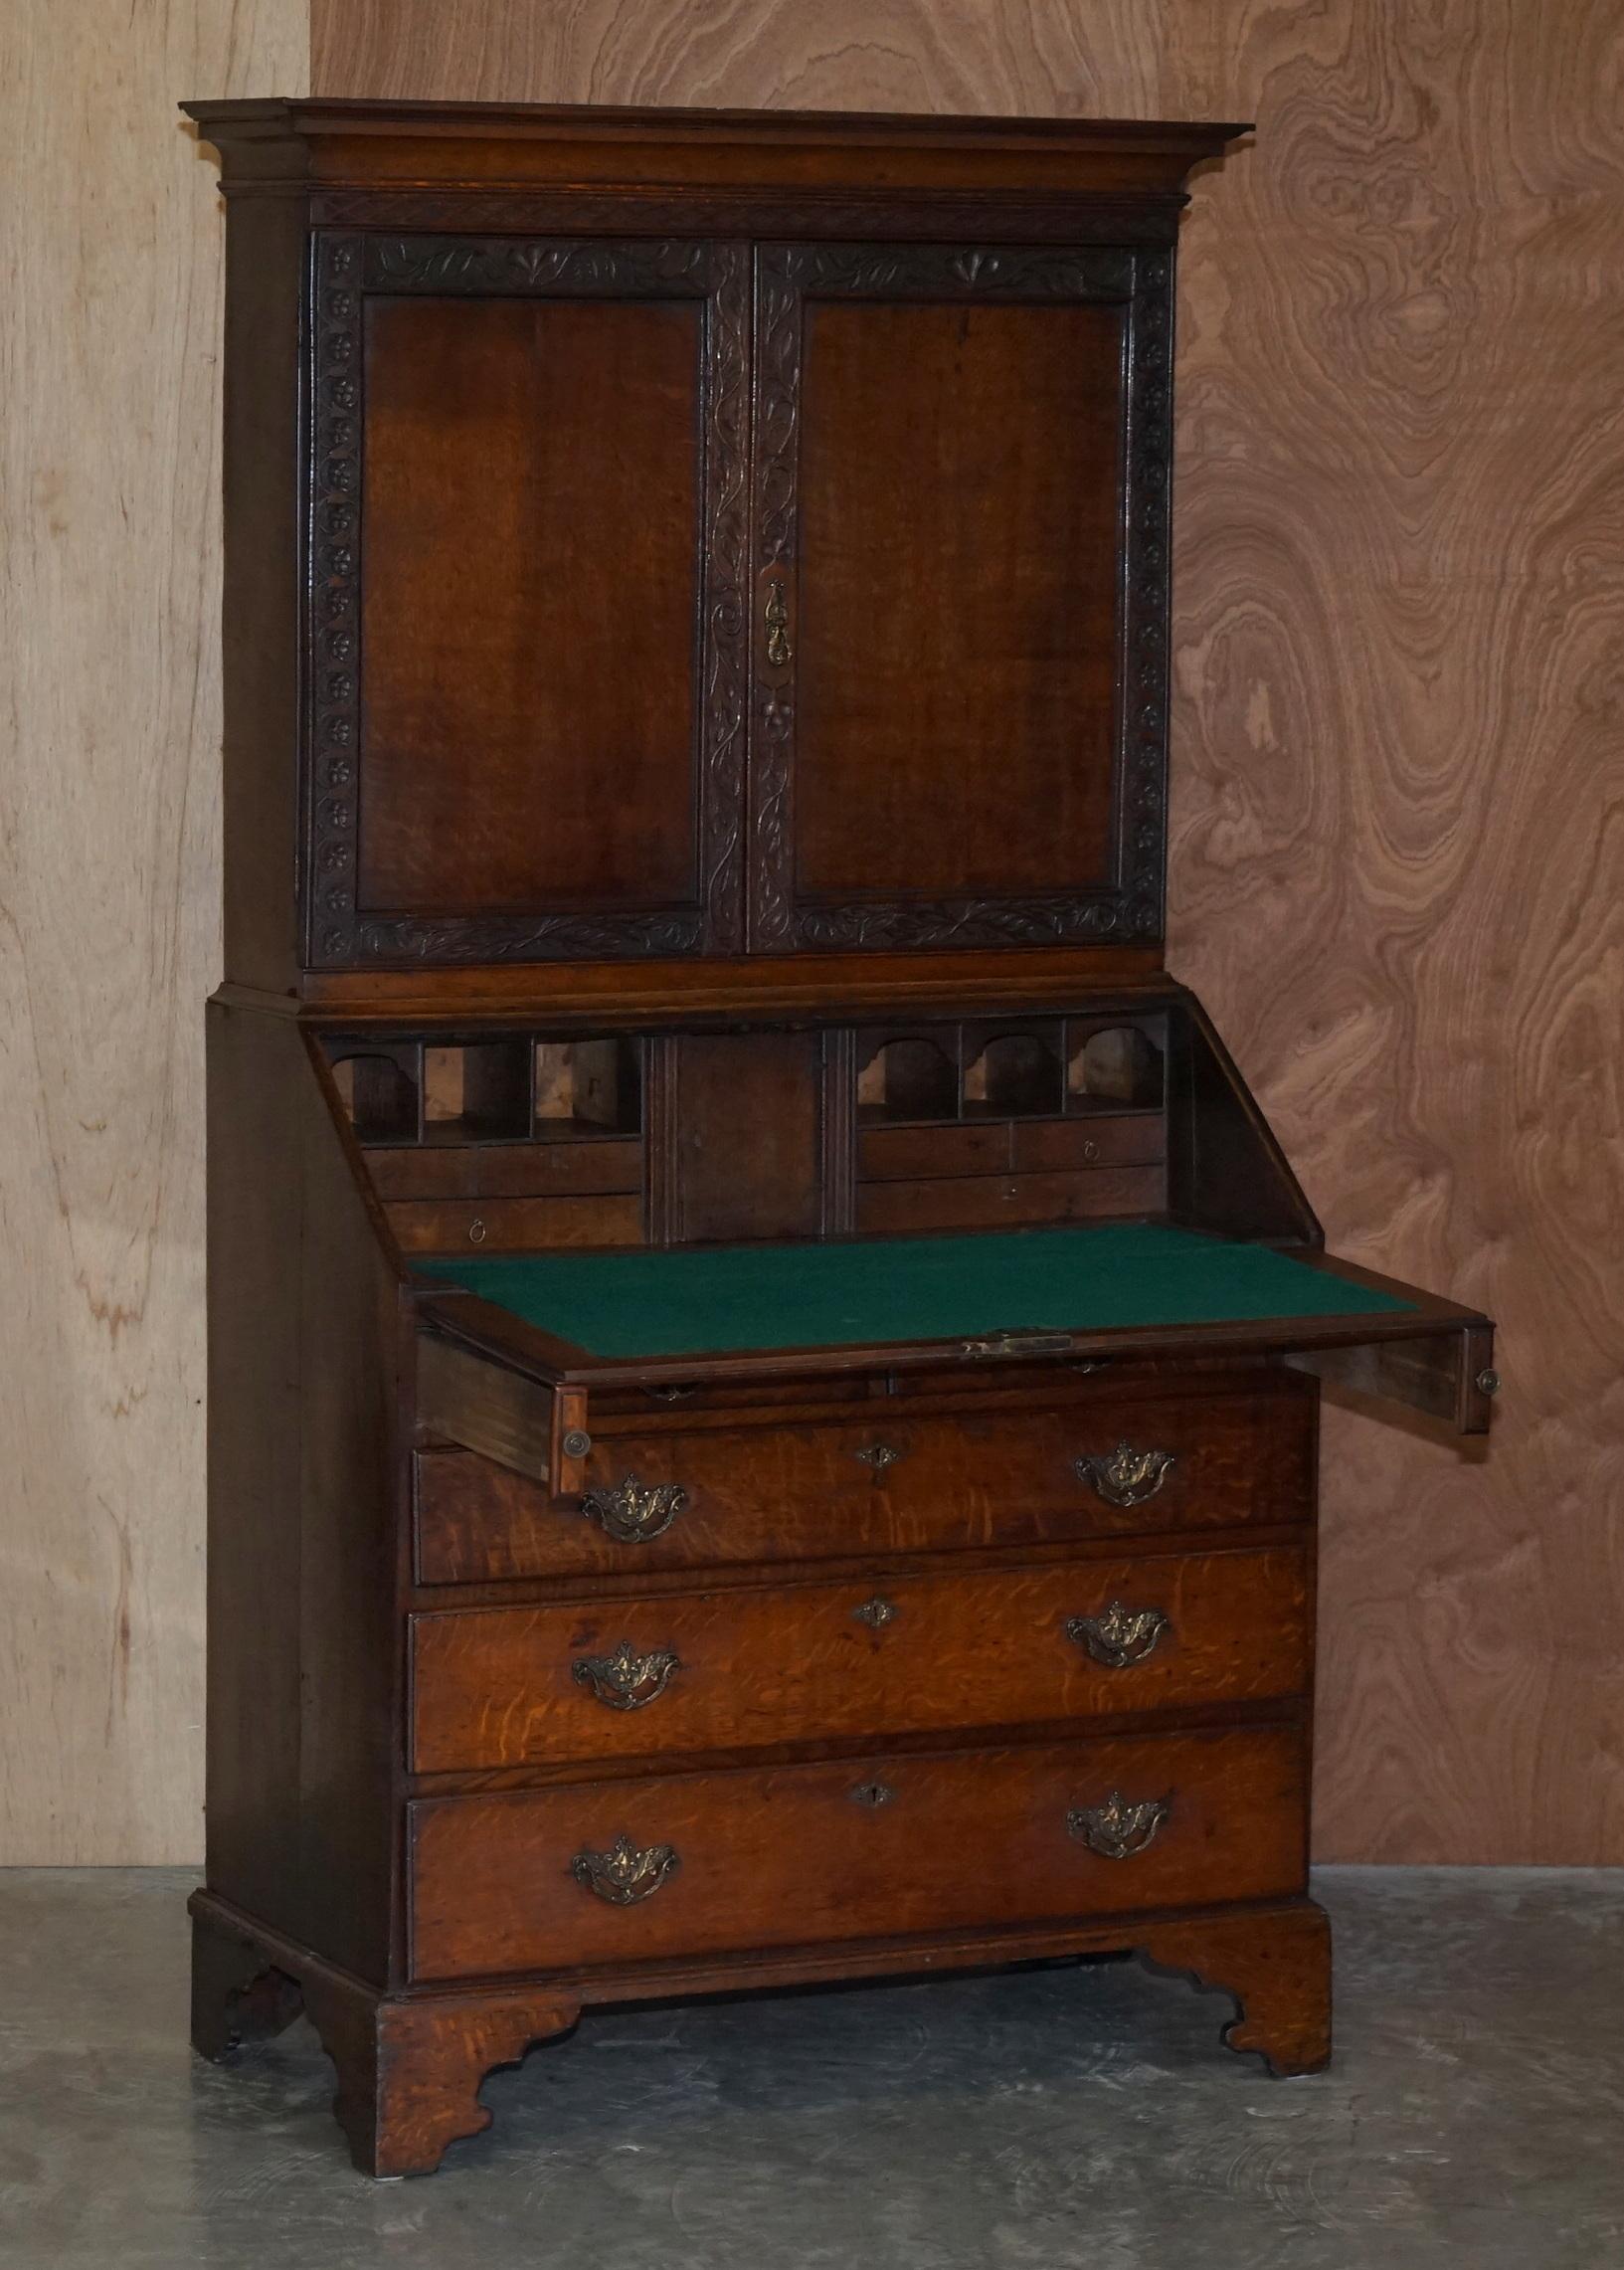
(876, 1613)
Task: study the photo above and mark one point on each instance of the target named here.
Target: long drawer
(689, 1864)
(891, 1481)
(693, 1671)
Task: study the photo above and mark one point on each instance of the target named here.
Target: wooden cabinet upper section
(659, 536)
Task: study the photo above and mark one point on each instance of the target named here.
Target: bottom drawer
(866, 1848)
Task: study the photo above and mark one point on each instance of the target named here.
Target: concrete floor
(1074, 2115)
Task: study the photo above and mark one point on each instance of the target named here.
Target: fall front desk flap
(710, 1300)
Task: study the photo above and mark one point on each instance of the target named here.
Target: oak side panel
(111, 252)
(306, 1469)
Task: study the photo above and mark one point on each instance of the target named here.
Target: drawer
(506, 1170)
(889, 1482)
(514, 1225)
(1004, 1146)
(999, 1201)
(690, 1865)
(729, 1670)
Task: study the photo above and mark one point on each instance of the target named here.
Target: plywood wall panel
(108, 905)
(1035, 56)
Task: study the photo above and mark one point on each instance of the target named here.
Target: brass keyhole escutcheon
(776, 616)
(876, 1613)
(873, 1795)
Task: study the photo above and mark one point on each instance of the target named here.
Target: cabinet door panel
(957, 606)
(961, 596)
(531, 743)
(529, 603)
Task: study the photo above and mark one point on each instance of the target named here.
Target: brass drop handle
(633, 1511)
(1120, 1635)
(476, 1232)
(1128, 1476)
(1118, 1829)
(623, 1679)
(626, 1873)
(776, 616)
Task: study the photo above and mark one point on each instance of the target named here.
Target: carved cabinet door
(960, 507)
(526, 646)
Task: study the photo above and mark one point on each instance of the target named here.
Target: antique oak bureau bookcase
(763, 1362)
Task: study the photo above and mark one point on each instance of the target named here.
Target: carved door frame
(346, 267)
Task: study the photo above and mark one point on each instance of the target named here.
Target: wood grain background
(1399, 864)
(110, 924)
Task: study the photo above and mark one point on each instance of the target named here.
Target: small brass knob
(575, 1443)
(1488, 1383)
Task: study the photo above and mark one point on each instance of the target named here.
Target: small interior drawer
(620, 1872)
(1000, 1147)
(515, 1224)
(1003, 1201)
(506, 1170)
